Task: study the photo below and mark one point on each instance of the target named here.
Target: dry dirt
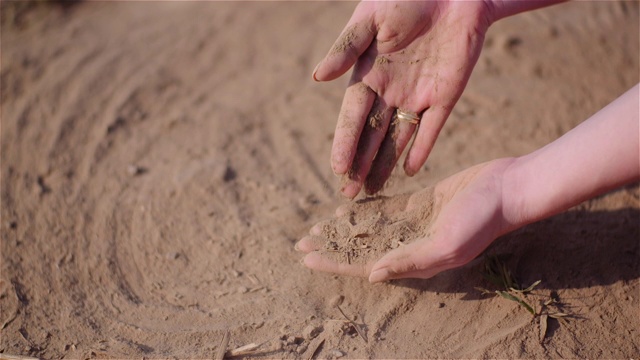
(372, 227)
(160, 160)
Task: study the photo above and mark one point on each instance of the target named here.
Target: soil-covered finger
(354, 40)
(311, 243)
(331, 228)
(356, 105)
(373, 133)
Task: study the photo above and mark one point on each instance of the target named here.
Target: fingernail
(302, 262)
(296, 247)
(314, 73)
(379, 275)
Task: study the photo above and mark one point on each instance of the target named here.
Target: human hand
(415, 56)
(436, 229)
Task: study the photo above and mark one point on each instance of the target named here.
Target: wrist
(514, 203)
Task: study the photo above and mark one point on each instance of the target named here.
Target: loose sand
(160, 160)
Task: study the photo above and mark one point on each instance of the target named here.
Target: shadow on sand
(575, 249)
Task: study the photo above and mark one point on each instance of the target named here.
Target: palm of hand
(413, 56)
(466, 215)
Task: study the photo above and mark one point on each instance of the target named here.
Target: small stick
(222, 349)
(352, 323)
(244, 350)
(15, 357)
(315, 351)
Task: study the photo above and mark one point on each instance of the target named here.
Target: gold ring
(408, 116)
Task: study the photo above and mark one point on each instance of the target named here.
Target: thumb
(354, 40)
(415, 260)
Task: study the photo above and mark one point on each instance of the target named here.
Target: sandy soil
(160, 160)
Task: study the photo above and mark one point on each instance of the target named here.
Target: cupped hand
(467, 215)
(415, 56)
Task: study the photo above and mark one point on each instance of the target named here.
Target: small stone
(302, 348)
(335, 353)
(134, 170)
(440, 305)
(257, 325)
(242, 290)
(311, 331)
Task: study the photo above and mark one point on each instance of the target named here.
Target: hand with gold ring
(411, 63)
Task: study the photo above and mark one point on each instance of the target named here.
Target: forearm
(504, 8)
(600, 154)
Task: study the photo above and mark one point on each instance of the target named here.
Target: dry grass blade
(484, 291)
(315, 351)
(244, 350)
(222, 348)
(543, 326)
(353, 324)
(558, 315)
(528, 289)
(511, 297)
(16, 357)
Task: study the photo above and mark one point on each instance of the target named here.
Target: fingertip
(312, 260)
(339, 169)
(315, 72)
(372, 186)
(351, 189)
(316, 229)
(309, 244)
(343, 210)
(410, 169)
(339, 162)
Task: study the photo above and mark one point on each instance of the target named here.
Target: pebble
(311, 331)
(336, 353)
(134, 170)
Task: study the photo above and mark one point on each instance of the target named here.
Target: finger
(432, 121)
(357, 102)
(316, 261)
(395, 141)
(322, 226)
(352, 42)
(417, 259)
(372, 135)
(310, 243)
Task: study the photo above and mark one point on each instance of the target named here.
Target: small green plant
(495, 271)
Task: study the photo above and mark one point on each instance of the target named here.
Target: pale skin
(477, 205)
(416, 56)
(484, 202)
